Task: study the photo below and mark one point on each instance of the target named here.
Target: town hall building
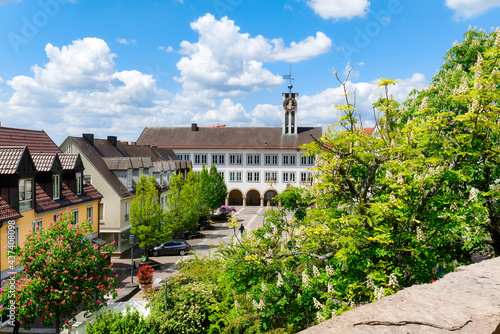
(256, 163)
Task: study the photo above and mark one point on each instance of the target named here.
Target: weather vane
(289, 77)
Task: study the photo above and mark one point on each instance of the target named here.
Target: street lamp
(131, 239)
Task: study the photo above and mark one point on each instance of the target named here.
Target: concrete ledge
(465, 301)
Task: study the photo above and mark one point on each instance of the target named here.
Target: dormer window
(78, 183)
(25, 194)
(129, 179)
(56, 186)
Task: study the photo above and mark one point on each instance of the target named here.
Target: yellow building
(37, 183)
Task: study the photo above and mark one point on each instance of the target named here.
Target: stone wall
(465, 301)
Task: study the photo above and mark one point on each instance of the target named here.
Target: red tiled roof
(10, 157)
(368, 131)
(68, 160)
(36, 140)
(227, 137)
(43, 161)
(7, 212)
(44, 201)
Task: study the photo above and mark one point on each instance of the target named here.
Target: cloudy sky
(113, 67)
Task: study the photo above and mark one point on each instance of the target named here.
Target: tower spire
(289, 108)
(290, 78)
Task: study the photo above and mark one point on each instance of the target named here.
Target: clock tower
(290, 112)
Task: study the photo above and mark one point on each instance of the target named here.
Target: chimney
(89, 137)
(194, 127)
(112, 140)
(125, 143)
(133, 143)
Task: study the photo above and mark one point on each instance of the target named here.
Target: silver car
(170, 248)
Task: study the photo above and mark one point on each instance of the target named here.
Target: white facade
(254, 176)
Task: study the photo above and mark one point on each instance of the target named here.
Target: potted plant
(145, 277)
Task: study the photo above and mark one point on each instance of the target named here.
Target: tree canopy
(65, 274)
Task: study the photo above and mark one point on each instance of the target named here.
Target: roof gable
(15, 159)
(71, 161)
(46, 162)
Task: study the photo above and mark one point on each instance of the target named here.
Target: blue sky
(113, 67)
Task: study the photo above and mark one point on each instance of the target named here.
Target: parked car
(170, 248)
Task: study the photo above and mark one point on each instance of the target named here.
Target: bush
(109, 322)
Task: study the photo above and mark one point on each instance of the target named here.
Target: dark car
(170, 248)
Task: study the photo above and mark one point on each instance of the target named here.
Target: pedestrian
(242, 229)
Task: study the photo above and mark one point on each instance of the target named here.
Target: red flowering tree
(65, 274)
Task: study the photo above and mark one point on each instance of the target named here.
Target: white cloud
(471, 8)
(79, 89)
(339, 9)
(125, 41)
(320, 108)
(167, 49)
(226, 63)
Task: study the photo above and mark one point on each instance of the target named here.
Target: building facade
(114, 168)
(37, 183)
(256, 163)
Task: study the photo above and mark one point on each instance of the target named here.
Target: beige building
(114, 168)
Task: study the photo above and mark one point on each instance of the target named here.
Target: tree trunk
(57, 324)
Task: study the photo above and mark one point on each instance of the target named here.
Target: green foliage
(147, 215)
(109, 322)
(66, 274)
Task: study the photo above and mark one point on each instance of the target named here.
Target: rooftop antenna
(289, 77)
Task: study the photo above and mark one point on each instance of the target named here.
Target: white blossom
(258, 306)
(497, 40)
(420, 234)
(379, 293)
(317, 304)
(330, 288)
(473, 194)
(330, 271)
(401, 179)
(305, 280)
(393, 281)
(423, 105)
(236, 304)
(264, 287)
(316, 271)
(279, 283)
(478, 73)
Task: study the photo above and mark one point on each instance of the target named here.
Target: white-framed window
(234, 176)
(78, 183)
(222, 175)
(141, 171)
(25, 194)
(200, 159)
(253, 176)
(90, 213)
(36, 225)
(289, 159)
(101, 212)
(163, 201)
(56, 217)
(161, 179)
(129, 178)
(218, 159)
(76, 215)
(184, 156)
(305, 177)
(56, 186)
(69, 148)
(307, 160)
(270, 159)
(88, 177)
(146, 171)
(127, 211)
(235, 159)
(288, 177)
(253, 159)
(271, 177)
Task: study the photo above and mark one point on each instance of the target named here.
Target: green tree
(148, 216)
(214, 189)
(65, 274)
(184, 205)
